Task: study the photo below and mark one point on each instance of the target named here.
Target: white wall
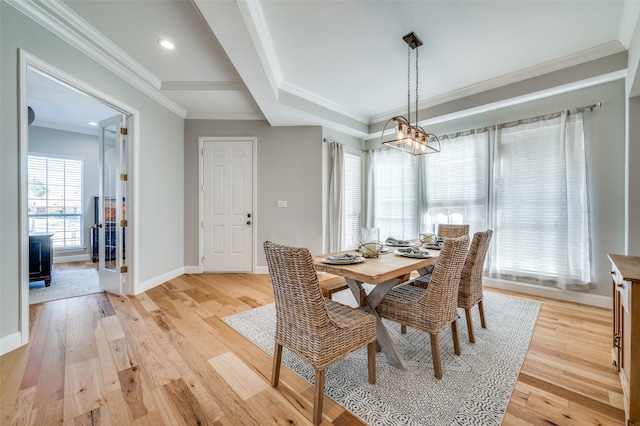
(157, 213)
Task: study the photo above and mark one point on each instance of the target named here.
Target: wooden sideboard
(625, 354)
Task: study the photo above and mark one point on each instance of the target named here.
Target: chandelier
(411, 138)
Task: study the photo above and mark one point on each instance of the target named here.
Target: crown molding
(237, 86)
(253, 16)
(66, 24)
(308, 96)
(236, 116)
(597, 52)
(630, 16)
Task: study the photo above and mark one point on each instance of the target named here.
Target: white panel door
(227, 206)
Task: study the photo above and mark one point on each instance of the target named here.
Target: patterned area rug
(64, 284)
(475, 388)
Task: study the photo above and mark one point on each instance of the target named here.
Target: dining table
(385, 271)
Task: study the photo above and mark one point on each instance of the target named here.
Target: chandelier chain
(417, 87)
(409, 83)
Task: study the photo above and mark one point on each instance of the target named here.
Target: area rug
(65, 284)
(475, 388)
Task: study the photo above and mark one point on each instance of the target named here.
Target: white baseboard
(10, 342)
(193, 269)
(74, 258)
(552, 293)
(156, 281)
(261, 270)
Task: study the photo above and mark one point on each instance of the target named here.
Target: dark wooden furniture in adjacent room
(40, 257)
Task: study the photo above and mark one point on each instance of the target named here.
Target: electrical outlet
(282, 203)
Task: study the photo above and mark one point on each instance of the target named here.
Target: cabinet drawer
(623, 287)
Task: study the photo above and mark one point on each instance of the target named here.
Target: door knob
(248, 222)
(248, 214)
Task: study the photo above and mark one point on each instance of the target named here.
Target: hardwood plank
(132, 389)
(83, 388)
(50, 385)
(184, 407)
(244, 381)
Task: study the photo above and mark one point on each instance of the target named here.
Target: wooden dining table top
(375, 270)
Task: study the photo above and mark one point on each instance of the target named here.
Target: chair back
(471, 278)
(301, 314)
(441, 296)
(452, 231)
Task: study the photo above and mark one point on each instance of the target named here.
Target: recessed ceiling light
(92, 123)
(166, 44)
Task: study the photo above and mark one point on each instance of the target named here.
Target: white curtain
(539, 207)
(392, 193)
(456, 182)
(335, 229)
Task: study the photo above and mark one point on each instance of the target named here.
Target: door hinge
(123, 223)
(202, 152)
(123, 130)
(124, 177)
(202, 225)
(203, 259)
(123, 270)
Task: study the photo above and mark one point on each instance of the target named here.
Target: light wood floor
(165, 357)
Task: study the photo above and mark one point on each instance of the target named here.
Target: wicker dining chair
(318, 330)
(433, 308)
(470, 292)
(452, 231)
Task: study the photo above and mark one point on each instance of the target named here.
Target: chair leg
(481, 309)
(318, 397)
(277, 358)
(403, 329)
(371, 362)
(435, 354)
(467, 313)
(454, 337)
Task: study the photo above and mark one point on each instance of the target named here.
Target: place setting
(431, 241)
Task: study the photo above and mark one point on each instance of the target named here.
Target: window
(541, 208)
(352, 200)
(395, 203)
(457, 182)
(55, 199)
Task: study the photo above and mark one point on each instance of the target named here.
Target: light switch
(282, 203)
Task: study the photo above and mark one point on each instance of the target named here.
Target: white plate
(414, 253)
(401, 245)
(432, 246)
(342, 260)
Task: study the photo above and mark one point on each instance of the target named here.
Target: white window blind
(395, 187)
(352, 200)
(55, 199)
(458, 182)
(541, 208)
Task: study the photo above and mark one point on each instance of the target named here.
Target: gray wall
(289, 168)
(158, 173)
(77, 145)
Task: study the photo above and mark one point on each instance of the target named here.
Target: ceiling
(337, 63)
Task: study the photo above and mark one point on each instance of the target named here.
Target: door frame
(254, 195)
(29, 61)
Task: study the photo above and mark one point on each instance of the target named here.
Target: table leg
(371, 301)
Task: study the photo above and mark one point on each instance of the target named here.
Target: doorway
(60, 107)
(228, 231)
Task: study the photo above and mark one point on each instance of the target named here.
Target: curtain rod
(591, 107)
(329, 140)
